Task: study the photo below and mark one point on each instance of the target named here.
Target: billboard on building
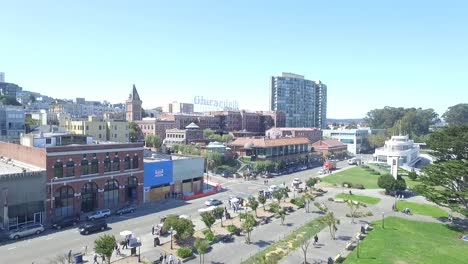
(158, 173)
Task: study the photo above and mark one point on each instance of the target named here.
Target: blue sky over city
(370, 54)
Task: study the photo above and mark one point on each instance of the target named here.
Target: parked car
(273, 188)
(267, 176)
(296, 181)
(125, 210)
(26, 230)
(88, 228)
(212, 202)
(69, 221)
(99, 214)
(321, 171)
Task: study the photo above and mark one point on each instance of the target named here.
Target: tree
(311, 182)
(248, 226)
(445, 183)
(412, 175)
(6, 100)
(260, 167)
(449, 143)
(253, 204)
(307, 198)
(284, 191)
(377, 140)
(218, 213)
(269, 166)
(391, 185)
(274, 207)
(456, 115)
(184, 227)
(227, 138)
(331, 221)
(104, 246)
(278, 195)
(133, 131)
(208, 219)
(32, 99)
(353, 208)
(153, 141)
(304, 242)
(201, 245)
(208, 132)
(321, 207)
(262, 199)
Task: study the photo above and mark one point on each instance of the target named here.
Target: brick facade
(28, 155)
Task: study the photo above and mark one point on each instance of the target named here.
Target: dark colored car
(88, 228)
(70, 221)
(125, 210)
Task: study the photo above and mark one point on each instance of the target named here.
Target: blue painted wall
(158, 173)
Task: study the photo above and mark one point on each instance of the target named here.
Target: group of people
(168, 260)
(265, 181)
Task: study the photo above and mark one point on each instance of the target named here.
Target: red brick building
(329, 147)
(313, 134)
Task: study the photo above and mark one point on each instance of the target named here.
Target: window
(58, 169)
(116, 163)
(135, 162)
(94, 165)
(111, 194)
(87, 127)
(127, 162)
(70, 168)
(64, 201)
(84, 169)
(107, 163)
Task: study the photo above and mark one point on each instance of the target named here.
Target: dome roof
(249, 145)
(192, 126)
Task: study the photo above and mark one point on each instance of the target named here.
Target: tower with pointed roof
(133, 103)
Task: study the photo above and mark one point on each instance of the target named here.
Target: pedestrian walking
(103, 258)
(69, 256)
(179, 261)
(171, 259)
(152, 230)
(161, 257)
(95, 259)
(315, 239)
(86, 250)
(165, 257)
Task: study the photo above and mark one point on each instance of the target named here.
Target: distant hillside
(345, 121)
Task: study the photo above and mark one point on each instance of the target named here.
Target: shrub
(364, 166)
(359, 186)
(293, 201)
(331, 199)
(209, 235)
(232, 229)
(242, 215)
(347, 184)
(375, 173)
(412, 175)
(369, 213)
(300, 203)
(184, 252)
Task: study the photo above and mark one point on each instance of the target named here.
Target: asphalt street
(47, 246)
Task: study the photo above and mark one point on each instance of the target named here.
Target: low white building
(401, 147)
(355, 139)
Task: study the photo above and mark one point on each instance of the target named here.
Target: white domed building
(401, 147)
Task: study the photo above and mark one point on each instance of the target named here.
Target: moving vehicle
(211, 202)
(26, 230)
(69, 221)
(296, 181)
(329, 165)
(88, 228)
(99, 214)
(125, 210)
(354, 161)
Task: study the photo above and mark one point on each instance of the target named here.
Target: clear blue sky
(370, 54)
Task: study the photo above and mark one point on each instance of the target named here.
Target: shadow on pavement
(262, 243)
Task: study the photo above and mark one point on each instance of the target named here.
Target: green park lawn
(359, 198)
(406, 242)
(421, 209)
(356, 175)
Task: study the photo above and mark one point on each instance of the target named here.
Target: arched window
(70, 168)
(58, 169)
(111, 194)
(127, 162)
(94, 165)
(107, 163)
(64, 201)
(84, 168)
(135, 162)
(89, 197)
(116, 162)
(131, 188)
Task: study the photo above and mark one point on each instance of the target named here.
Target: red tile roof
(328, 143)
(262, 142)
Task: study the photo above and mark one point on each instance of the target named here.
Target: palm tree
(331, 221)
(308, 198)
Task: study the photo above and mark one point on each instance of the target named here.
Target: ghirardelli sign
(223, 104)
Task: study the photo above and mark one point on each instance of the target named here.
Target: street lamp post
(383, 220)
(357, 250)
(171, 230)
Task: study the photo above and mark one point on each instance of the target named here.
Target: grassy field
(422, 209)
(410, 242)
(356, 175)
(359, 198)
(410, 183)
(291, 241)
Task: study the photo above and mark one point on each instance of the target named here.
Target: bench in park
(337, 258)
(339, 200)
(368, 227)
(350, 245)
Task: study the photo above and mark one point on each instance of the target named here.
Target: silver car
(26, 231)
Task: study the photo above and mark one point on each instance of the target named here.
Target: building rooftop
(8, 166)
(294, 128)
(261, 142)
(328, 143)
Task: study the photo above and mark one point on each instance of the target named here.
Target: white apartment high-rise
(2, 77)
(303, 101)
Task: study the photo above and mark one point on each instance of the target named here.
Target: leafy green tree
(412, 175)
(260, 167)
(184, 227)
(274, 207)
(353, 208)
(269, 166)
(284, 191)
(201, 245)
(226, 138)
(456, 115)
(208, 132)
(282, 214)
(248, 226)
(311, 182)
(253, 204)
(449, 143)
(321, 207)
(153, 141)
(304, 243)
(6, 100)
(104, 246)
(218, 213)
(445, 183)
(262, 199)
(331, 221)
(307, 198)
(216, 137)
(133, 132)
(377, 140)
(278, 195)
(208, 219)
(32, 99)
(386, 182)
